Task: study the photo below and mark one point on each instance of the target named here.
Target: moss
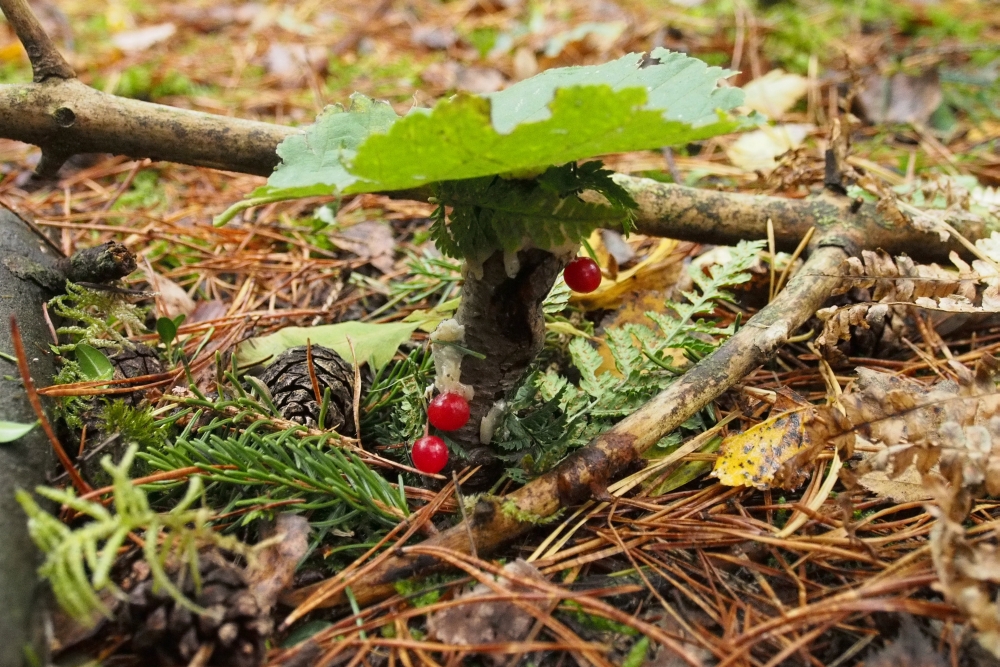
(136, 425)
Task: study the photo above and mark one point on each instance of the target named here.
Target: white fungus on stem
(448, 359)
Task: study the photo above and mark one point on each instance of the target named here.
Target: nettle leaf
(559, 116)
(315, 162)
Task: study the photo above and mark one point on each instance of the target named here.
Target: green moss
(135, 425)
(510, 509)
(146, 193)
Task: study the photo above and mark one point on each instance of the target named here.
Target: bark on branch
(588, 472)
(64, 118)
(725, 218)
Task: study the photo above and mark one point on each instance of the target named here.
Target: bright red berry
(429, 454)
(582, 275)
(448, 412)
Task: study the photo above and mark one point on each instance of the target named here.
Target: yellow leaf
(12, 52)
(567, 329)
(775, 93)
(751, 458)
(657, 271)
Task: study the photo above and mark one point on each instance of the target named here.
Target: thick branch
(67, 117)
(725, 218)
(588, 472)
(46, 61)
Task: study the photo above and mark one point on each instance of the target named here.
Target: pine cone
(292, 390)
(132, 363)
(234, 627)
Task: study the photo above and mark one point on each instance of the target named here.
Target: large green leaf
(559, 116)
(373, 342)
(490, 213)
(314, 162)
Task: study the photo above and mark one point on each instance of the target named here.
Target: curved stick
(587, 472)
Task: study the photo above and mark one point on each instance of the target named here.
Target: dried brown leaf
(487, 622)
(273, 569)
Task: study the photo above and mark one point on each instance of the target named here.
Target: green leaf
(11, 431)
(490, 213)
(315, 162)
(637, 655)
(458, 140)
(318, 156)
(93, 364)
(374, 343)
(167, 330)
(559, 116)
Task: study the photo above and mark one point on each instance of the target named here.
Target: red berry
(429, 454)
(448, 412)
(582, 275)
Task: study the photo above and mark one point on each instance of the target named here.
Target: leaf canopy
(559, 116)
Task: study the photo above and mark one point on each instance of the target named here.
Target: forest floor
(736, 575)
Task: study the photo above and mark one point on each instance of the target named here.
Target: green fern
(494, 213)
(549, 416)
(78, 561)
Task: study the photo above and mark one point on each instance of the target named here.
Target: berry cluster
(447, 412)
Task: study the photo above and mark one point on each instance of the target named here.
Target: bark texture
(22, 463)
(587, 473)
(100, 264)
(66, 117)
(503, 320)
(725, 218)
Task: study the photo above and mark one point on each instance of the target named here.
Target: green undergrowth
(78, 562)
(549, 415)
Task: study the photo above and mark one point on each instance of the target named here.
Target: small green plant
(332, 483)
(100, 315)
(78, 561)
(133, 425)
(395, 409)
(166, 329)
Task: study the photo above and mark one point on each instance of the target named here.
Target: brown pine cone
(291, 387)
(234, 628)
